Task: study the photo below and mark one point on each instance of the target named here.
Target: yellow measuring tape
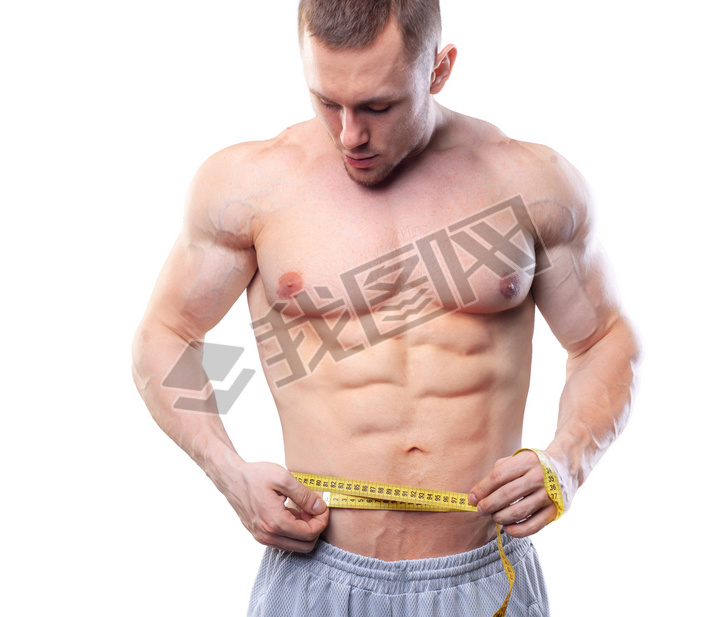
(346, 493)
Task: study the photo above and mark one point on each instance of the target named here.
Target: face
(375, 106)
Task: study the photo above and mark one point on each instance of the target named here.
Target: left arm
(577, 297)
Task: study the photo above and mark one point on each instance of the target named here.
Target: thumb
(305, 498)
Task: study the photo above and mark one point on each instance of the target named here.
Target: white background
(107, 111)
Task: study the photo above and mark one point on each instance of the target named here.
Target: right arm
(209, 267)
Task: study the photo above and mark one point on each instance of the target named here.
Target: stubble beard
(372, 181)
(384, 174)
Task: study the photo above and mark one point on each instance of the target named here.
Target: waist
(402, 534)
(399, 535)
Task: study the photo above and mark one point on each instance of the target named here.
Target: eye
(380, 110)
(328, 105)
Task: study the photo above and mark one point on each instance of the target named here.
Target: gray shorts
(330, 581)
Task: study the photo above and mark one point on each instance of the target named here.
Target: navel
(289, 284)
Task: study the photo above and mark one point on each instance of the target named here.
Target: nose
(354, 133)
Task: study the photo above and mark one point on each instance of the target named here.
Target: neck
(436, 125)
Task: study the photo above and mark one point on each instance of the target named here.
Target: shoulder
(235, 187)
(556, 194)
(246, 169)
(558, 197)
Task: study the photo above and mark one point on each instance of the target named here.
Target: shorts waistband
(407, 576)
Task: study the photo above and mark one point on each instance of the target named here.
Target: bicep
(213, 260)
(576, 293)
(199, 283)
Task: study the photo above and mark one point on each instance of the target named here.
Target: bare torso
(386, 397)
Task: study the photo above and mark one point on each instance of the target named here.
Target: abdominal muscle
(419, 410)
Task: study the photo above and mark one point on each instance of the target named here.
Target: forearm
(596, 401)
(201, 435)
(256, 491)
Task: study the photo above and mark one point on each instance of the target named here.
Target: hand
(258, 493)
(513, 494)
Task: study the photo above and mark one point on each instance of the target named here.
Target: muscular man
(431, 397)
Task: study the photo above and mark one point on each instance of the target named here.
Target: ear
(444, 61)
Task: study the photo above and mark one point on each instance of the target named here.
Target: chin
(369, 180)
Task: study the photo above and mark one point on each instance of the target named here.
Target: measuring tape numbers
(364, 495)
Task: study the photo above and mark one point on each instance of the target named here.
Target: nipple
(510, 286)
(289, 284)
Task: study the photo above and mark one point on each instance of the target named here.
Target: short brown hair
(351, 24)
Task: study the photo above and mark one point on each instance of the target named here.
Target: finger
(316, 523)
(284, 543)
(533, 524)
(505, 470)
(511, 494)
(508, 483)
(319, 520)
(287, 525)
(522, 509)
(302, 496)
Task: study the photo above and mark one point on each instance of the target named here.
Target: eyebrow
(376, 100)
